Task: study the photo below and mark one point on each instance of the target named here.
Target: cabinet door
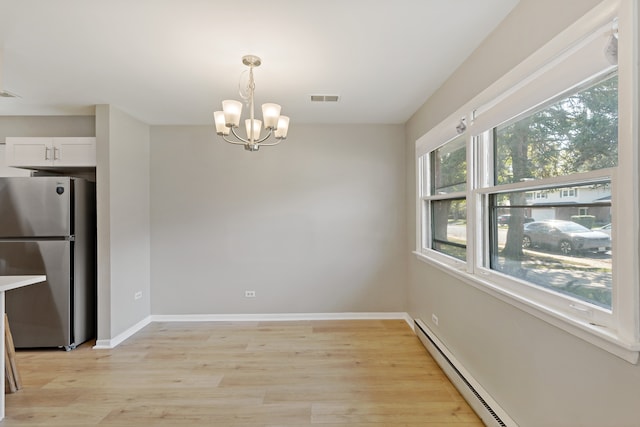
(29, 151)
(6, 170)
(76, 151)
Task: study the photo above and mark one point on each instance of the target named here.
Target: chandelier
(228, 120)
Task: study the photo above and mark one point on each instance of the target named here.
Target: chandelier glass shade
(228, 120)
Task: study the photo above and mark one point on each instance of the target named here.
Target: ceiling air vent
(324, 98)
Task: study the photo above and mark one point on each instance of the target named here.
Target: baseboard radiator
(487, 409)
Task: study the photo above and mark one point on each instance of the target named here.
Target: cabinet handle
(46, 153)
(56, 153)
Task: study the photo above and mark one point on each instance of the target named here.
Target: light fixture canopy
(228, 120)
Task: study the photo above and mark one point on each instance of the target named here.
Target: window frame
(582, 310)
(425, 165)
(619, 331)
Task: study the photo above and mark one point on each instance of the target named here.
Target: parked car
(606, 229)
(566, 236)
(504, 219)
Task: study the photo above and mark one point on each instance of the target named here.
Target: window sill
(599, 336)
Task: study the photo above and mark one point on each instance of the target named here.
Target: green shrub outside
(585, 220)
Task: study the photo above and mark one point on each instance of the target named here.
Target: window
(540, 195)
(531, 196)
(558, 250)
(565, 138)
(449, 230)
(445, 199)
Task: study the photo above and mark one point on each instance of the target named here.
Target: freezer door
(39, 315)
(35, 206)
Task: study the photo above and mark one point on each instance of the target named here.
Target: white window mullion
(627, 206)
(473, 223)
(419, 203)
(483, 178)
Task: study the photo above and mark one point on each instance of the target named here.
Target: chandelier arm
(233, 130)
(272, 143)
(247, 141)
(230, 141)
(264, 138)
(240, 141)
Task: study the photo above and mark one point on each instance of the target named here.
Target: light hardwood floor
(333, 373)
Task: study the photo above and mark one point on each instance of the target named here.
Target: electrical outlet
(249, 294)
(137, 295)
(434, 319)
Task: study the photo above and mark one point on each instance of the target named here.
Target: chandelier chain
(248, 90)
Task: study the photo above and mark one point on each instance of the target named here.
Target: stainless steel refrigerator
(47, 226)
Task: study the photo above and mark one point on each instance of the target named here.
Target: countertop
(12, 282)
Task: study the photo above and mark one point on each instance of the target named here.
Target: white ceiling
(172, 62)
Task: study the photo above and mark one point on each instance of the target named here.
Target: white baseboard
(112, 343)
(278, 317)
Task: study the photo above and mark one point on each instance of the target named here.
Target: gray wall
(316, 224)
(540, 375)
(47, 126)
(122, 180)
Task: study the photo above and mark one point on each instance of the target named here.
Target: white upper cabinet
(47, 151)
